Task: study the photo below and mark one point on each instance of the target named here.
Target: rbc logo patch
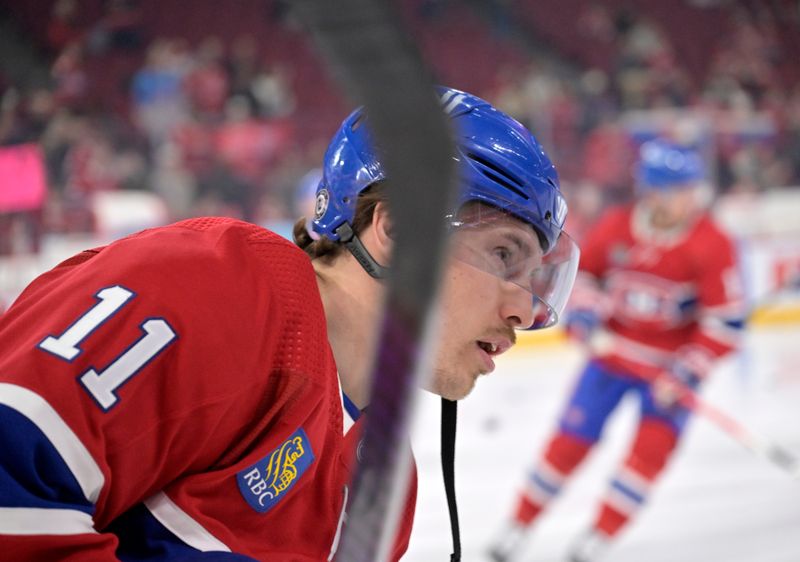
(266, 482)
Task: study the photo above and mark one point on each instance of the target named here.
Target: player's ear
(384, 227)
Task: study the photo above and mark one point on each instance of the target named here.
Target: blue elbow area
(32, 472)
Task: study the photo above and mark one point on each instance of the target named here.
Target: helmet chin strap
(353, 243)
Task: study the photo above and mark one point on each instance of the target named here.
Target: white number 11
(102, 385)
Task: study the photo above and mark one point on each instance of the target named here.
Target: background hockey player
(192, 391)
(658, 300)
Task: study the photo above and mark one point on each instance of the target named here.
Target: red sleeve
(406, 518)
(406, 521)
(594, 250)
(721, 306)
(588, 291)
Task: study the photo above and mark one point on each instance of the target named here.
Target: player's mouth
(492, 348)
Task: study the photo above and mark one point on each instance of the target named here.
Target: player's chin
(453, 386)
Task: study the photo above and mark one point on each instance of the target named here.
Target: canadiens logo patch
(321, 203)
(266, 482)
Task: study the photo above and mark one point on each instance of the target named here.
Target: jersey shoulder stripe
(46, 426)
(143, 535)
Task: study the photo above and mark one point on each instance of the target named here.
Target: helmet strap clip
(354, 245)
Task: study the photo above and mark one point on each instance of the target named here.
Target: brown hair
(328, 249)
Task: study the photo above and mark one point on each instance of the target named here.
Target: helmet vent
(496, 174)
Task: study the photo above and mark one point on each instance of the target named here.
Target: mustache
(505, 332)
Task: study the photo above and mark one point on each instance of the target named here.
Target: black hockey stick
(380, 68)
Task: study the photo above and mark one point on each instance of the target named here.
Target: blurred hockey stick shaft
(758, 444)
(781, 457)
(379, 67)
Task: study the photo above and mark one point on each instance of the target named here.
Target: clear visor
(497, 243)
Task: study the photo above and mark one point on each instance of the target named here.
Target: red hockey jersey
(663, 296)
(174, 395)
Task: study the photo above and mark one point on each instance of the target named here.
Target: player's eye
(503, 254)
(505, 261)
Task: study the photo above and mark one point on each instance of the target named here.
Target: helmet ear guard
(350, 167)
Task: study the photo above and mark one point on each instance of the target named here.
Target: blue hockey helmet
(665, 165)
(499, 164)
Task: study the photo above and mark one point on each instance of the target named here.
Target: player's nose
(516, 306)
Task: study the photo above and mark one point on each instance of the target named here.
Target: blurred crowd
(206, 127)
(211, 126)
(743, 108)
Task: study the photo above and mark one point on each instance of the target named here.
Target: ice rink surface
(717, 501)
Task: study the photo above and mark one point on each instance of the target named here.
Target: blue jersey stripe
(735, 323)
(351, 408)
(32, 472)
(638, 498)
(143, 538)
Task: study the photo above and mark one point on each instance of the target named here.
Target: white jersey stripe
(182, 525)
(347, 421)
(76, 456)
(609, 343)
(735, 309)
(339, 526)
(42, 521)
(716, 329)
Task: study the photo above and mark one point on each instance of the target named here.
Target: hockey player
(658, 300)
(192, 391)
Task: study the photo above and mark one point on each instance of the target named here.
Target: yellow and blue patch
(266, 482)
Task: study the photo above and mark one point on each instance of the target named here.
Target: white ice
(717, 501)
